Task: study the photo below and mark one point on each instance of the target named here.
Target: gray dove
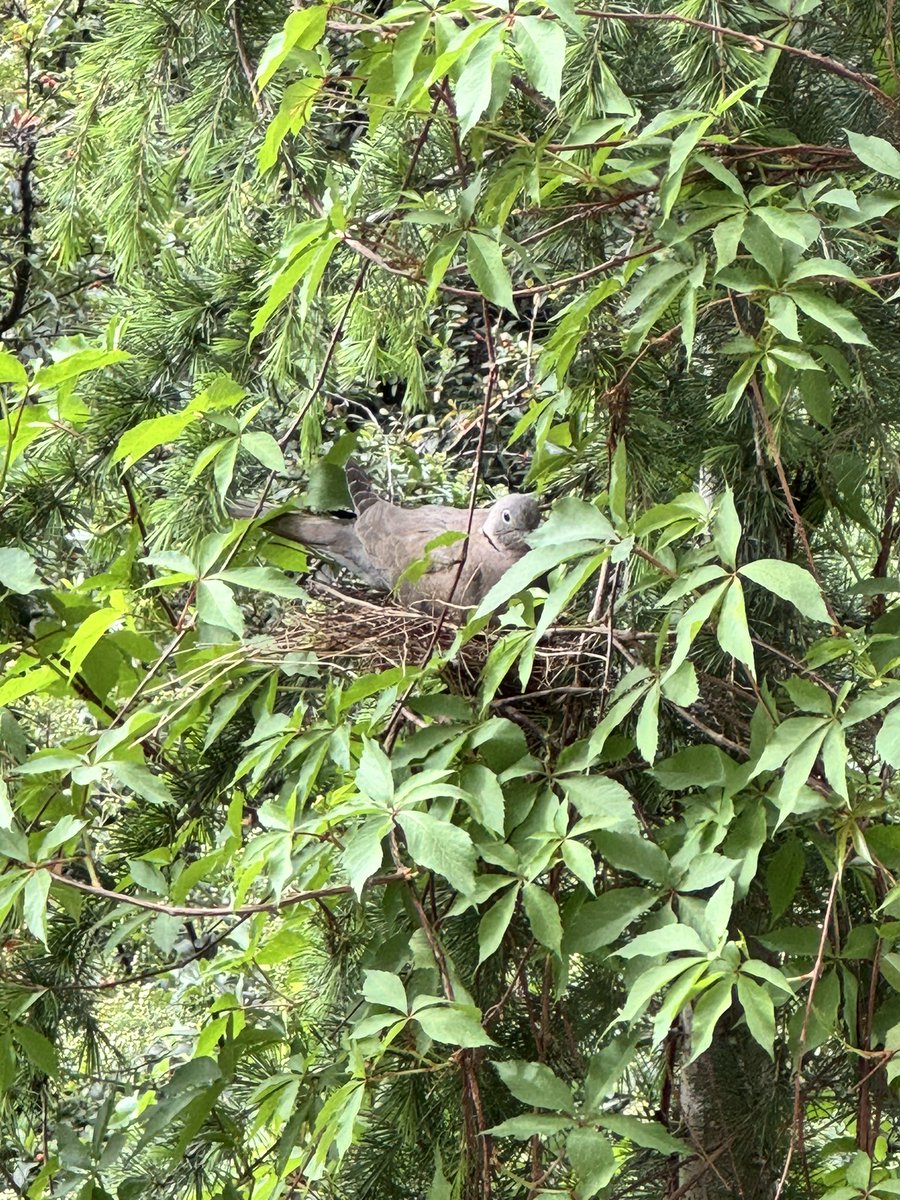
(383, 541)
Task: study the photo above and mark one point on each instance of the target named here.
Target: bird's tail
(362, 491)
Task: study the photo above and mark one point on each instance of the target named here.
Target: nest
(351, 630)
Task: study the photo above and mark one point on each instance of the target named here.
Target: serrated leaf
(531, 1125)
(542, 49)
(791, 583)
(543, 915)
(598, 923)
(708, 1009)
(783, 875)
(495, 922)
(455, 1025)
(263, 579)
(732, 631)
(759, 1012)
(11, 370)
(374, 777)
(488, 270)
(833, 316)
(876, 153)
(536, 1085)
(34, 904)
(473, 88)
(646, 732)
(39, 1050)
(441, 847)
(302, 30)
(264, 449)
(649, 1134)
(385, 988)
(217, 606)
(362, 853)
(591, 1156)
(726, 529)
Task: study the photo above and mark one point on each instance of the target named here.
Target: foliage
(458, 922)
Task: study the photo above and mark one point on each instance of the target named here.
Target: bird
(389, 547)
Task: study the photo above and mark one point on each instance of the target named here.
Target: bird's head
(508, 520)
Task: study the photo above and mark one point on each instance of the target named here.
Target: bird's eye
(506, 516)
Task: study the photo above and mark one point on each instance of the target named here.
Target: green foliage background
(594, 894)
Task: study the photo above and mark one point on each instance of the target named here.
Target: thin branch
(218, 910)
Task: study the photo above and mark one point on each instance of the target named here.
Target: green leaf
(759, 1012)
(542, 49)
(531, 1125)
(726, 239)
(385, 988)
(876, 153)
(783, 315)
(263, 579)
(668, 939)
(783, 875)
(732, 631)
(791, 583)
(88, 634)
(785, 740)
(543, 915)
(646, 732)
(407, 47)
(216, 606)
(293, 113)
(726, 529)
(833, 316)
(790, 225)
(441, 847)
(34, 906)
(887, 743)
(11, 370)
(362, 853)
(141, 780)
(39, 1051)
(597, 923)
(536, 1085)
(628, 852)
(650, 1134)
(18, 572)
(495, 922)
(714, 1002)
(488, 270)
(374, 777)
(484, 796)
(454, 1024)
(74, 365)
(263, 447)
(302, 30)
(592, 1159)
(472, 92)
(137, 442)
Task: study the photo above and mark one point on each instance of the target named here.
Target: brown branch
(22, 270)
(815, 975)
(245, 910)
(260, 104)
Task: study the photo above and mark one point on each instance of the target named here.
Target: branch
(245, 910)
(22, 269)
